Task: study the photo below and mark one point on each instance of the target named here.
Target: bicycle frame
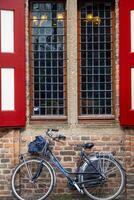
(68, 174)
(74, 181)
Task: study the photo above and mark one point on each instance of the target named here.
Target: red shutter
(12, 65)
(126, 62)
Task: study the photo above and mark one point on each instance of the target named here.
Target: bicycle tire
(114, 174)
(22, 186)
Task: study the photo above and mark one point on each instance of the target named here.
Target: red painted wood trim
(126, 62)
(15, 60)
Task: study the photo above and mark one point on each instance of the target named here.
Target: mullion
(49, 107)
(92, 64)
(58, 88)
(52, 98)
(33, 95)
(99, 68)
(86, 64)
(105, 63)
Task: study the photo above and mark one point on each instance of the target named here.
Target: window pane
(95, 58)
(47, 24)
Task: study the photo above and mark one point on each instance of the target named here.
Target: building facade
(67, 65)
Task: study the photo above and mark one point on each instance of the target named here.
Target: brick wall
(9, 151)
(129, 164)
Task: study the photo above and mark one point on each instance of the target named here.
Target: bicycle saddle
(88, 145)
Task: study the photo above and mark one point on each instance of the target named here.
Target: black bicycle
(100, 176)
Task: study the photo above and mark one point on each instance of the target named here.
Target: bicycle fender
(120, 165)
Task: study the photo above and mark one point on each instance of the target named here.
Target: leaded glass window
(48, 58)
(96, 52)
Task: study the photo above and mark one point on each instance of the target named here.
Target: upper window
(95, 53)
(48, 58)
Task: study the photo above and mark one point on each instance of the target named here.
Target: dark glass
(102, 86)
(89, 38)
(90, 111)
(42, 87)
(83, 70)
(108, 110)
(54, 79)
(89, 70)
(61, 87)
(96, 111)
(48, 63)
(42, 94)
(36, 71)
(83, 46)
(83, 30)
(42, 62)
(61, 111)
(89, 46)
(83, 87)
(102, 94)
(83, 62)
(102, 102)
(48, 71)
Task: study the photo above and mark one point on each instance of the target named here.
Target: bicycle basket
(37, 145)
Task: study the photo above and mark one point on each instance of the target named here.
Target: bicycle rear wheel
(27, 184)
(106, 189)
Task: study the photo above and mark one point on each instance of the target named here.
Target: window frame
(47, 118)
(96, 117)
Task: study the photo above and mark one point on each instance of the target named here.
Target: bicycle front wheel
(109, 187)
(33, 180)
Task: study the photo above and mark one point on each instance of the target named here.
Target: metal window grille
(48, 58)
(96, 58)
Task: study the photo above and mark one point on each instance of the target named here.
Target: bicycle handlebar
(57, 137)
(56, 130)
(62, 137)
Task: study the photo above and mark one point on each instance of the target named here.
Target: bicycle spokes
(32, 189)
(109, 184)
